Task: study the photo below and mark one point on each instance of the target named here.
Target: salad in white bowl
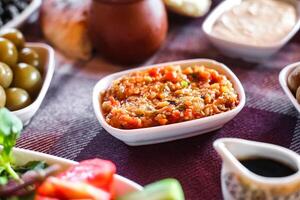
(29, 175)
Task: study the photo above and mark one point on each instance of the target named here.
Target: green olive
(6, 75)
(8, 52)
(28, 78)
(2, 97)
(17, 98)
(15, 36)
(29, 56)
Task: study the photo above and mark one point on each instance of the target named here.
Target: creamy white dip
(256, 22)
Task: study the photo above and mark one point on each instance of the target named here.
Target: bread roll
(191, 8)
(64, 24)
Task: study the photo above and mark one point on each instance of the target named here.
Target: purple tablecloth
(66, 126)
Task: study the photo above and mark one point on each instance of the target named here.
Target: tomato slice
(90, 179)
(56, 188)
(96, 172)
(39, 197)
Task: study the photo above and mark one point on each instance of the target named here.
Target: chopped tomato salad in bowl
(168, 101)
(167, 95)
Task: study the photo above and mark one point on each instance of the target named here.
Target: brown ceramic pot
(127, 31)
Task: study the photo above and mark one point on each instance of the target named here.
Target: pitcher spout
(229, 150)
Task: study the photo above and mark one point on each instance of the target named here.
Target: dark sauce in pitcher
(267, 167)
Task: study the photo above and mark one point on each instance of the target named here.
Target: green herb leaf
(10, 130)
(9, 124)
(184, 84)
(27, 197)
(3, 180)
(32, 165)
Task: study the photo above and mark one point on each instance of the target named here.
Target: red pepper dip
(167, 95)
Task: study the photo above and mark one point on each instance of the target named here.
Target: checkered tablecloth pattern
(66, 126)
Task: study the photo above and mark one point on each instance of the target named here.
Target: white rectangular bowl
(283, 77)
(237, 50)
(170, 132)
(24, 15)
(122, 185)
(47, 61)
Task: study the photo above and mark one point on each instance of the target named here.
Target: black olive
(10, 9)
(13, 10)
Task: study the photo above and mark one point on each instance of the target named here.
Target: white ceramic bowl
(283, 77)
(244, 51)
(22, 156)
(175, 131)
(24, 15)
(47, 60)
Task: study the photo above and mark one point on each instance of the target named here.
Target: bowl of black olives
(26, 70)
(14, 13)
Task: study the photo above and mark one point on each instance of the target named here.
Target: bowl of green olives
(13, 13)
(289, 79)
(26, 70)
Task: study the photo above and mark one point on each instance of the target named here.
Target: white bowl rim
(70, 162)
(47, 77)
(283, 76)
(23, 16)
(222, 6)
(133, 132)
